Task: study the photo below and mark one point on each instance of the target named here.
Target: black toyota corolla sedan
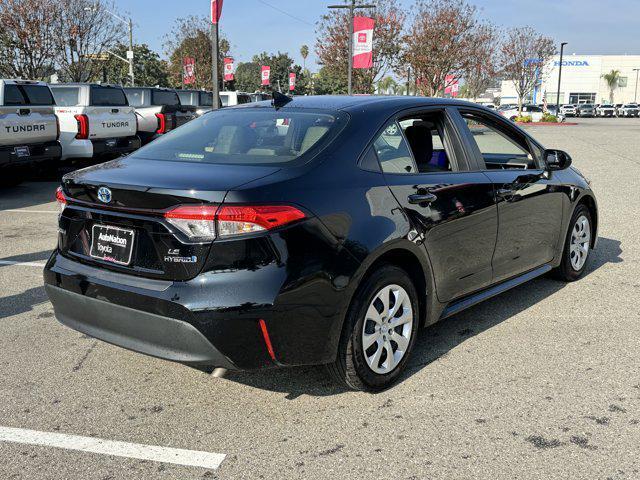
(318, 230)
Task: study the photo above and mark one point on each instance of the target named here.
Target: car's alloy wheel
(577, 245)
(387, 329)
(580, 242)
(379, 331)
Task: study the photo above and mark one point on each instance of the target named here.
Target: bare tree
(28, 38)
(483, 67)
(442, 41)
(332, 45)
(523, 55)
(86, 30)
(191, 37)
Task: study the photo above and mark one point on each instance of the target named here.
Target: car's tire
(360, 368)
(577, 246)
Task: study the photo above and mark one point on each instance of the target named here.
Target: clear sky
(252, 26)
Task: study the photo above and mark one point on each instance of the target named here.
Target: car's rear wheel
(379, 331)
(577, 245)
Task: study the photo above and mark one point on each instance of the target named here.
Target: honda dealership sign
(363, 42)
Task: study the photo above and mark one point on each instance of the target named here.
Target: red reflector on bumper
(267, 340)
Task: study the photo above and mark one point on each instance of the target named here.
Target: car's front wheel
(379, 331)
(577, 245)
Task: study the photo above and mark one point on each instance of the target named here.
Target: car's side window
(425, 135)
(499, 147)
(393, 152)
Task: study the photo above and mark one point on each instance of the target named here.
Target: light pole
(635, 95)
(559, 78)
(352, 6)
(129, 24)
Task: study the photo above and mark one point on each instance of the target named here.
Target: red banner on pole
(452, 86)
(216, 11)
(363, 42)
(229, 69)
(266, 73)
(292, 81)
(188, 70)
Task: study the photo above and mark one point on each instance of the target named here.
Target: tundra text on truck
(28, 129)
(95, 121)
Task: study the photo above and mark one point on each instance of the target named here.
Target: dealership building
(582, 80)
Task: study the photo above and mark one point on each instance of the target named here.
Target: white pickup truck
(96, 121)
(158, 110)
(28, 129)
(201, 99)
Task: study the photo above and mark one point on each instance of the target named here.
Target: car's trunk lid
(140, 192)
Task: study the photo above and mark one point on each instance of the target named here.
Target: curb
(547, 124)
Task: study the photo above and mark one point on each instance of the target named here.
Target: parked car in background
(96, 121)
(28, 129)
(158, 111)
(568, 110)
(628, 110)
(533, 111)
(230, 243)
(260, 96)
(230, 99)
(585, 110)
(201, 99)
(605, 110)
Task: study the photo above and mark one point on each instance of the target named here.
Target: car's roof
(80, 84)
(344, 102)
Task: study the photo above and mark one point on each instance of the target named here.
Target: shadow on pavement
(22, 302)
(435, 341)
(42, 256)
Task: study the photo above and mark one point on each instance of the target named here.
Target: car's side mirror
(556, 160)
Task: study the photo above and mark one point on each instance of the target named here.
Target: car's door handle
(425, 198)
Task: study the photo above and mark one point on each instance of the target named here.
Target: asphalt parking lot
(540, 382)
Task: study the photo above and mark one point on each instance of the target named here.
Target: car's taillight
(83, 126)
(239, 219)
(205, 222)
(162, 123)
(61, 199)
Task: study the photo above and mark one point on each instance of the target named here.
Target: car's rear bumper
(115, 146)
(75, 148)
(143, 332)
(37, 153)
(217, 314)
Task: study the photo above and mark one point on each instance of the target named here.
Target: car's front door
(529, 199)
(451, 209)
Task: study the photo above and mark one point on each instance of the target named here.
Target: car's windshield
(248, 136)
(66, 96)
(164, 97)
(108, 96)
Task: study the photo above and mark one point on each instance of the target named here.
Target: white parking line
(178, 456)
(24, 264)
(26, 210)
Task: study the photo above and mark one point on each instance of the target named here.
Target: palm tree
(304, 51)
(612, 79)
(387, 85)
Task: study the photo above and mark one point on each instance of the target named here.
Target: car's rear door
(451, 209)
(529, 199)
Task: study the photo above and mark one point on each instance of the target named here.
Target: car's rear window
(186, 98)
(135, 96)
(206, 99)
(108, 97)
(66, 96)
(27, 95)
(164, 97)
(254, 136)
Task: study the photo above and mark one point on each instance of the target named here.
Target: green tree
(612, 78)
(247, 77)
(281, 65)
(388, 86)
(149, 69)
(325, 82)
